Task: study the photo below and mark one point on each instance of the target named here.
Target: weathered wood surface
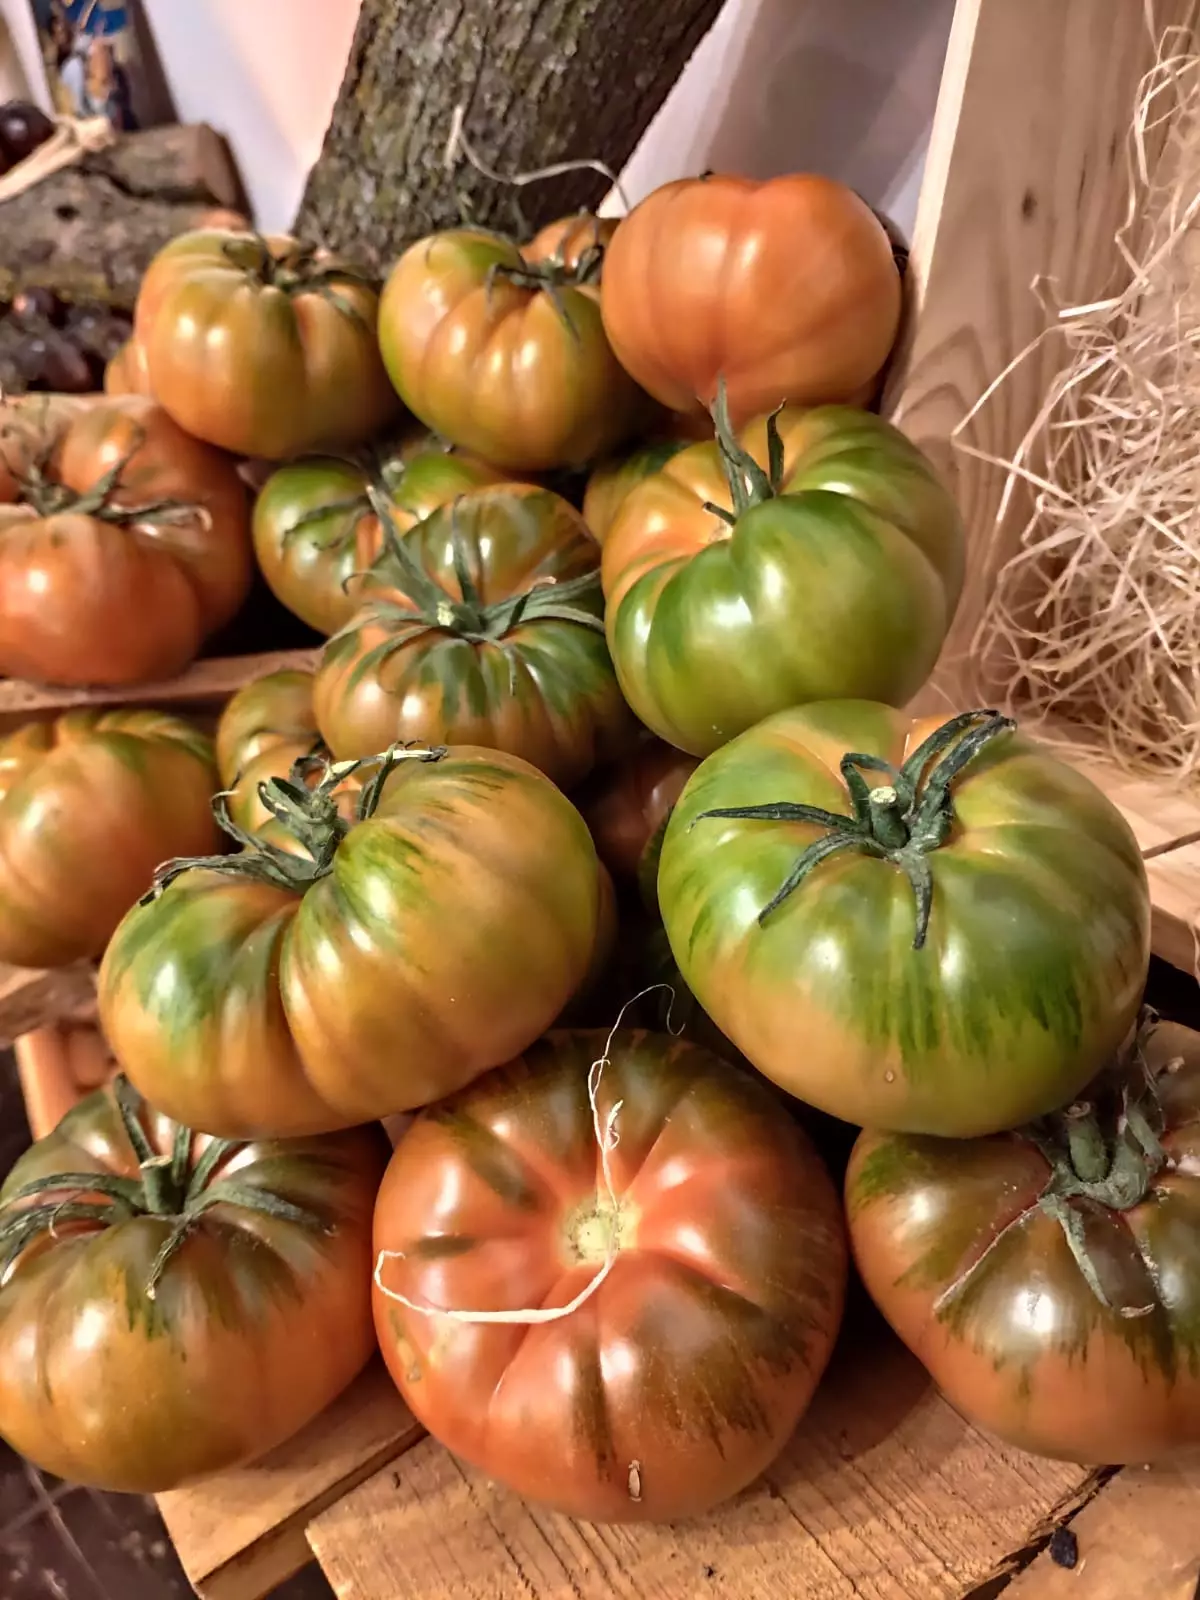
(90, 230)
(540, 81)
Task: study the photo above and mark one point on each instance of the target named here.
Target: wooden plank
(884, 1494)
(204, 683)
(1025, 177)
(242, 1533)
(1139, 1539)
(31, 998)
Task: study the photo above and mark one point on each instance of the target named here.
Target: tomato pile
(599, 838)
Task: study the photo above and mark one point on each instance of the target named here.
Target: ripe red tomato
(171, 1306)
(316, 533)
(368, 967)
(682, 1376)
(628, 806)
(935, 929)
(481, 626)
(1048, 1278)
(125, 543)
(262, 345)
(504, 357)
(786, 289)
(89, 806)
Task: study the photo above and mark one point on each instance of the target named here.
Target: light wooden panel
(885, 1494)
(204, 683)
(242, 1533)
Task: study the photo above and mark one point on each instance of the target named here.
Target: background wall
(843, 86)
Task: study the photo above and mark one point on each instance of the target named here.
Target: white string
(607, 1139)
(458, 144)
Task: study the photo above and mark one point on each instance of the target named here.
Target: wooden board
(884, 1494)
(1139, 1539)
(1025, 177)
(242, 1533)
(204, 683)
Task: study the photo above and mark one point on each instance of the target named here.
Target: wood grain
(1139, 1539)
(884, 1494)
(242, 1533)
(1025, 178)
(204, 683)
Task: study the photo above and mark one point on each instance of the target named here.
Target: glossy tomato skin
(126, 372)
(313, 566)
(518, 376)
(1034, 961)
(90, 804)
(786, 289)
(275, 709)
(451, 931)
(682, 1377)
(842, 586)
(979, 1282)
(250, 353)
(255, 1326)
(611, 483)
(543, 689)
(571, 240)
(86, 599)
(630, 803)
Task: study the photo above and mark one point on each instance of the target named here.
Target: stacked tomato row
(597, 840)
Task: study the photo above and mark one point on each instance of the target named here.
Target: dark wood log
(542, 81)
(90, 230)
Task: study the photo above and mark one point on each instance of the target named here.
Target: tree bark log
(540, 81)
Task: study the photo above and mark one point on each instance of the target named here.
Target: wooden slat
(31, 999)
(1139, 1539)
(204, 683)
(242, 1533)
(1025, 178)
(884, 1494)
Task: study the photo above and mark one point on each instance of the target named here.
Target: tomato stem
(749, 484)
(902, 820)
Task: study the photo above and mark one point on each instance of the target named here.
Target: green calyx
(310, 815)
(382, 468)
(49, 498)
(299, 270)
(901, 821)
(749, 485)
(463, 615)
(1104, 1152)
(179, 1188)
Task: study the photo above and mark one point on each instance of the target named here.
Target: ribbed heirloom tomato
(817, 558)
(481, 626)
(937, 930)
(367, 966)
(683, 1374)
(126, 372)
(1050, 1279)
(90, 804)
(315, 529)
(172, 1305)
(786, 289)
(262, 344)
(628, 805)
(273, 712)
(612, 482)
(504, 356)
(123, 543)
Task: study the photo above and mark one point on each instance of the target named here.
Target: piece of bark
(90, 230)
(541, 81)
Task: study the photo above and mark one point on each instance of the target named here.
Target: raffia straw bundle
(1096, 618)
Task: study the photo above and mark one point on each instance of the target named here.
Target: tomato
(629, 805)
(1049, 1278)
(950, 940)
(315, 530)
(370, 968)
(610, 485)
(786, 289)
(734, 591)
(503, 357)
(482, 626)
(262, 345)
(170, 1305)
(125, 544)
(274, 710)
(682, 1376)
(126, 372)
(89, 806)
(573, 242)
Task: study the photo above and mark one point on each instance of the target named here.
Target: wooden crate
(885, 1493)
